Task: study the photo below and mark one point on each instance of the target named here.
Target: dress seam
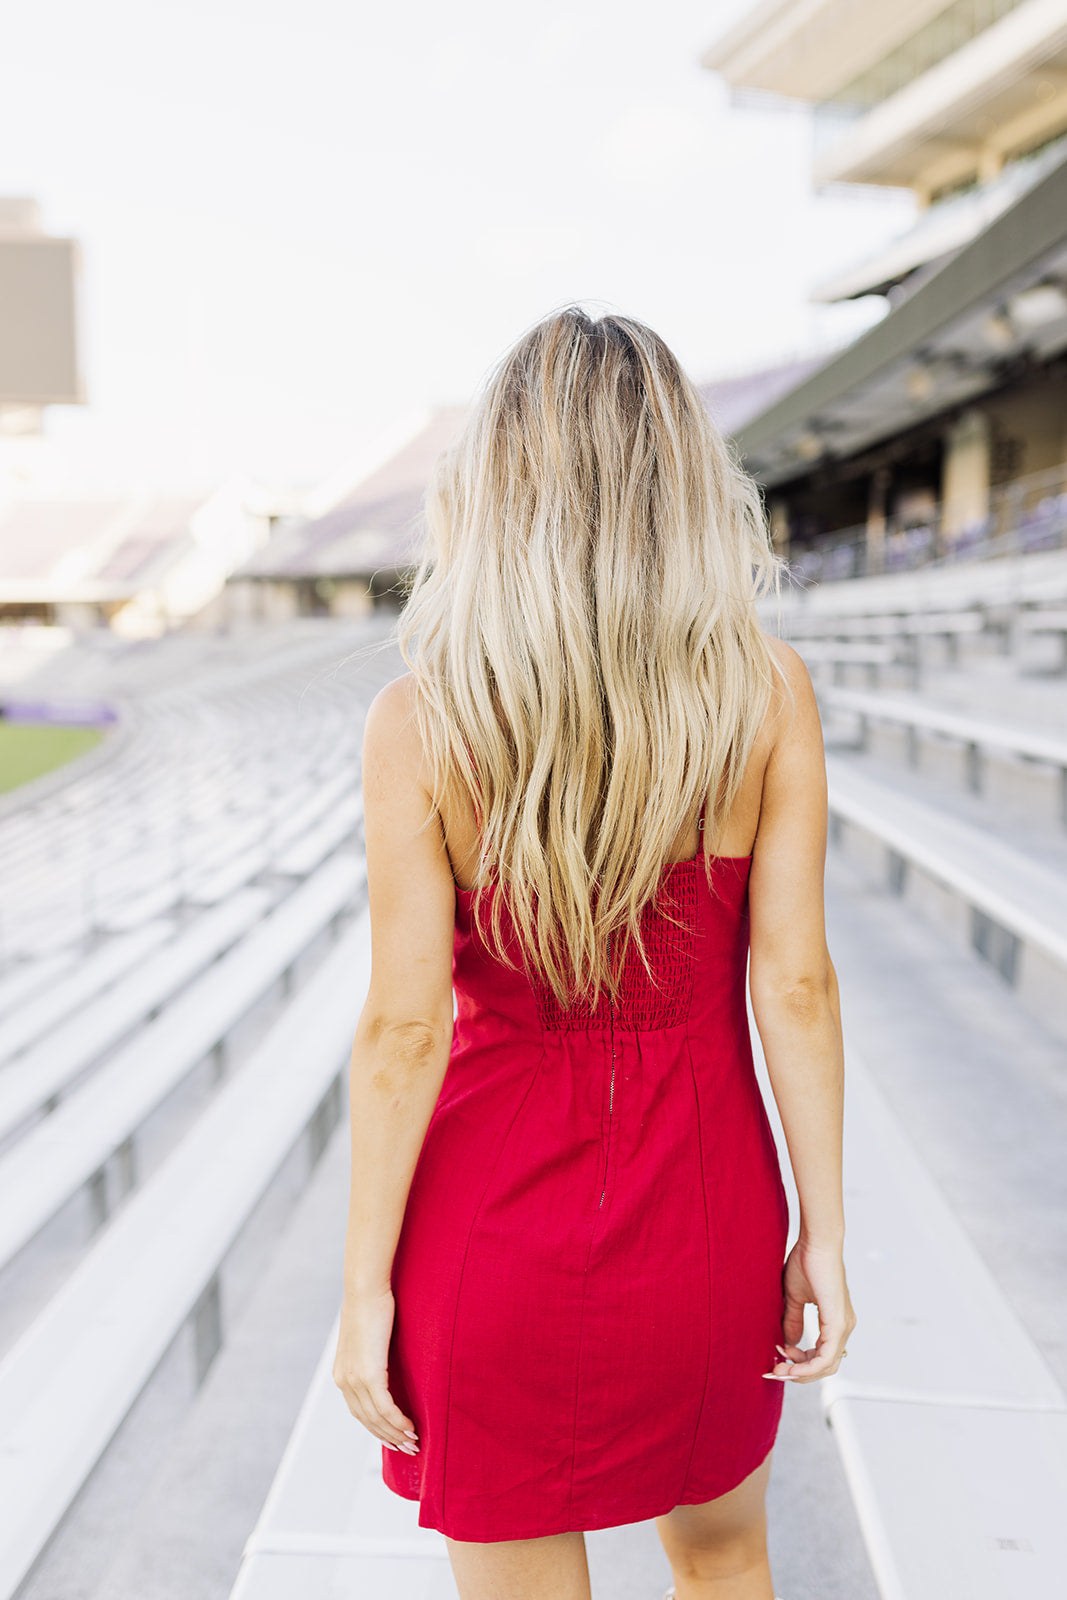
(581, 1339)
(578, 1367)
(463, 1268)
(707, 1237)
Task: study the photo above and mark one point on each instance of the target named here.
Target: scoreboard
(38, 321)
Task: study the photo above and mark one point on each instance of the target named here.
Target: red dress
(588, 1280)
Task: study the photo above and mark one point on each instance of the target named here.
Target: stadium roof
(996, 308)
(731, 402)
(806, 49)
(940, 230)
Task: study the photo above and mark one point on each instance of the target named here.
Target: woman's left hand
(360, 1370)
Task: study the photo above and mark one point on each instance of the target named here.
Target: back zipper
(611, 1103)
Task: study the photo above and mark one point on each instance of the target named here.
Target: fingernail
(412, 1435)
(782, 1352)
(388, 1446)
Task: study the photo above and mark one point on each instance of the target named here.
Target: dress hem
(588, 1527)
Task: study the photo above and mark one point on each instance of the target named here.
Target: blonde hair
(582, 630)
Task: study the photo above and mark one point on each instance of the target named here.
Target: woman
(599, 788)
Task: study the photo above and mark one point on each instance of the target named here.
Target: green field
(27, 751)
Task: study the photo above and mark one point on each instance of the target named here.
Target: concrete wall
(1037, 420)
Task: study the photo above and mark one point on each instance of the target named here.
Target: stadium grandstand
(184, 947)
(352, 558)
(355, 556)
(136, 564)
(942, 431)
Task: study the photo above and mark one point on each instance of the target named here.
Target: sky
(301, 224)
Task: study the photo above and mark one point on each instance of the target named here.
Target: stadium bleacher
(951, 1424)
(231, 859)
(207, 873)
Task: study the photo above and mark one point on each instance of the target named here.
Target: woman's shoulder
(793, 706)
(390, 730)
(795, 678)
(395, 700)
(789, 659)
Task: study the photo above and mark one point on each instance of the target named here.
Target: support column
(779, 522)
(965, 477)
(876, 516)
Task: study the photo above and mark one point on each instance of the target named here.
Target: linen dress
(588, 1280)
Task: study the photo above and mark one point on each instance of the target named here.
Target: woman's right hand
(359, 1369)
(814, 1275)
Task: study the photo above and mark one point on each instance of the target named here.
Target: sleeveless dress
(588, 1282)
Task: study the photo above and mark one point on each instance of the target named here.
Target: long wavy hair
(582, 630)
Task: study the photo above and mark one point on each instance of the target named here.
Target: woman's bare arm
(401, 1049)
(795, 1003)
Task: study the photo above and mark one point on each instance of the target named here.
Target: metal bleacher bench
(154, 858)
(838, 656)
(306, 834)
(101, 1116)
(93, 975)
(950, 1424)
(36, 1079)
(1015, 902)
(976, 734)
(304, 855)
(1039, 621)
(878, 641)
(892, 625)
(27, 978)
(73, 1375)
